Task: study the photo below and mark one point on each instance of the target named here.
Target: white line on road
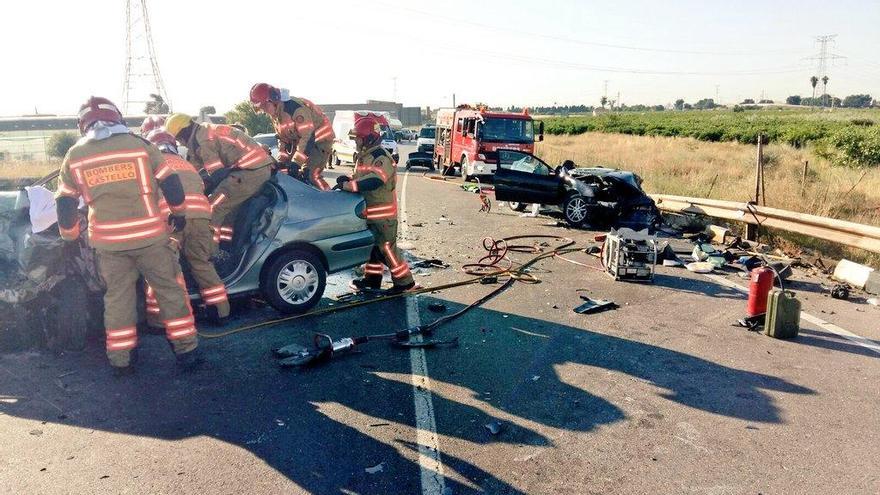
(819, 322)
(433, 482)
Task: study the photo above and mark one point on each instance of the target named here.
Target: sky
(55, 54)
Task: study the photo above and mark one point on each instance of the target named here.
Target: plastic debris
(840, 291)
(494, 427)
(594, 305)
(700, 267)
(378, 468)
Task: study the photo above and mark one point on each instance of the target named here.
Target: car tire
(517, 206)
(295, 282)
(576, 210)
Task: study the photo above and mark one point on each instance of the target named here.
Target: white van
(344, 148)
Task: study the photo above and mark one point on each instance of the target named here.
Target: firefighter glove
(177, 222)
(340, 182)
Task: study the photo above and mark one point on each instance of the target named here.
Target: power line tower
(142, 76)
(822, 59)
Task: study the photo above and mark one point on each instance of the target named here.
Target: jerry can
(783, 315)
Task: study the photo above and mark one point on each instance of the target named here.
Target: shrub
(59, 143)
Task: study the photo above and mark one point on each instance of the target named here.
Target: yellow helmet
(176, 122)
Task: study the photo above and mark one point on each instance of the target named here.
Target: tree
(824, 89)
(705, 104)
(814, 81)
(679, 104)
(59, 143)
(244, 114)
(208, 110)
(688, 106)
(765, 101)
(748, 101)
(658, 108)
(857, 101)
(603, 101)
(157, 105)
(793, 100)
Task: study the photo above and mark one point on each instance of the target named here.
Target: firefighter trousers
(159, 267)
(196, 244)
(313, 172)
(238, 187)
(385, 253)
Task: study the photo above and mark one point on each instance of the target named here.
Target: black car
(594, 197)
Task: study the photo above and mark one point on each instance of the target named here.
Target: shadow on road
(312, 426)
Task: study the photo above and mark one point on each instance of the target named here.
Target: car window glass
(522, 162)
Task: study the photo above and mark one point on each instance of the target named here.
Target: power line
(459, 21)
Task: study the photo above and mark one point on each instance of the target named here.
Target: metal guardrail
(848, 233)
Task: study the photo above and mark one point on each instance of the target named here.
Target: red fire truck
(468, 138)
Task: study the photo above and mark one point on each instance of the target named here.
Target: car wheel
(516, 206)
(295, 282)
(464, 169)
(576, 210)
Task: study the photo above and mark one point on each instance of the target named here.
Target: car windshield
(269, 140)
(507, 130)
(522, 162)
(387, 133)
(428, 132)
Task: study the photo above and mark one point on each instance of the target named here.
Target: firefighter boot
(214, 316)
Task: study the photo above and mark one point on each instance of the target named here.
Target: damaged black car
(595, 197)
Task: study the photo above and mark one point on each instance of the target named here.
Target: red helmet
(160, 136)
(366, 127)
(262, 93)
(95, 109)
(150, 123)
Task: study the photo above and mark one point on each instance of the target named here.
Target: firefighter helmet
(162, 140)
(95, 109)
(176, 122)
(366, 127)
(263, 93)
(150, 123)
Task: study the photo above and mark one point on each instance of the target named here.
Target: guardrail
(848, 233)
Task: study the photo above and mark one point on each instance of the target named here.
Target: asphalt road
(662, 395)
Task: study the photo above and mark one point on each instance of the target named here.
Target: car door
(524, 178)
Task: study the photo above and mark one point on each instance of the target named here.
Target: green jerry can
(783, 315)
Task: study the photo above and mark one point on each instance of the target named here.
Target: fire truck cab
(469, 138)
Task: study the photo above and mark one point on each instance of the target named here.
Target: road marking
(433, 482)
(819, 322)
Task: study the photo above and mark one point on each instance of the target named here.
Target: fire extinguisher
(759, 287)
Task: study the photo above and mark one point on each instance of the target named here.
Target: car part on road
(700, 267)
(840, 291)
(594, 306)
(630, 255)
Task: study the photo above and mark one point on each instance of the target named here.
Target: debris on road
(874, 301)
(494, 427)
(840, 291)
(378, 468)
(437, 307)
(700, 267)
(854, 274)
(630, 255)
(594, 305)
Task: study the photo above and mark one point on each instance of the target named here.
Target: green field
(843, 136)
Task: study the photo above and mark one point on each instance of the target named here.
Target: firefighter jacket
(214, 147)
(300, 125)
(195, 203)
(116, 177)
(375, 176)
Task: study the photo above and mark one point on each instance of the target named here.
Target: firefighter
(374, 176)
(305, 135)
(196, 240)
(115, 174)
(150, 123)
(233, 166)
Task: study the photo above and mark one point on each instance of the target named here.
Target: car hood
(619, 175)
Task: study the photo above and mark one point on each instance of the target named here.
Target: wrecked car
(594, 197)
(288, 238)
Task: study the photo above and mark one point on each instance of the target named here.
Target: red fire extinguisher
(759, 287)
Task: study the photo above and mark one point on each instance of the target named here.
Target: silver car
(288, 238)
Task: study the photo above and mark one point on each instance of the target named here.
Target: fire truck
(468, 138)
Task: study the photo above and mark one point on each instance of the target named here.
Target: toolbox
(783, 315)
